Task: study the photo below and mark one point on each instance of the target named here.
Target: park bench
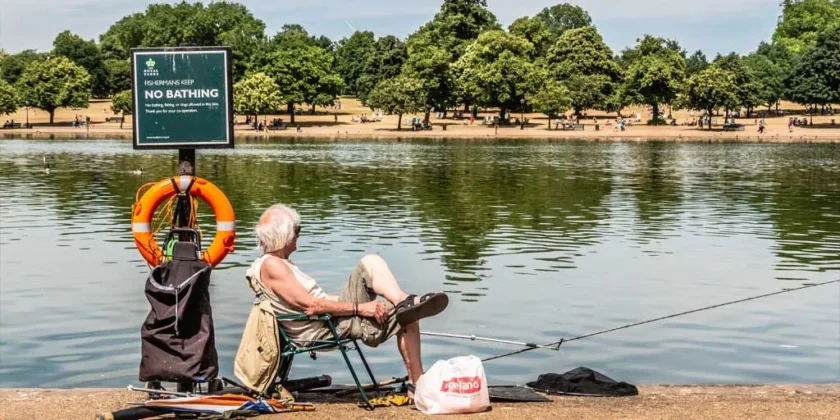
(572, 127)
(114, 119)
(733, 127)
(277, 127)
(12, 126)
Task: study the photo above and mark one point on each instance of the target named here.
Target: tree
(656, 76)
(127, 33)
(257, 94)
(563, 17)
(386, 62)
(696, 63)
(582, 61)
(771, 64)
(456, 25)
(293, 35)
(391, 54)
(429, 63)
(165, 25)
(747, 87)
(118, 74)
(711, 89)
(122, 104)
(54, 83)
(803, 20)
(816, 79)
(87, 55)
(8, 98)
(465, 20)
(497, 70)
(552, 100)
(364, 62)
(353, 58)
(231, 24)
(304, 74)
(536, 32)
(13, 65)
(400, 95)
(438, 44)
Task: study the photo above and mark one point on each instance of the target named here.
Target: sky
(714, 26)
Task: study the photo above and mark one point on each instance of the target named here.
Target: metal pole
(492, 340)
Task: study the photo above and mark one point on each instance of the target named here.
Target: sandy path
(341, 126)
(654, 402)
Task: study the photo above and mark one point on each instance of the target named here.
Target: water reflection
(554, 231)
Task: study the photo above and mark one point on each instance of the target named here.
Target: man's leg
(408, 342)
(385, 284)
(382, 279)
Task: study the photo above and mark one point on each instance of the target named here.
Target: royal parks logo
(150, 70)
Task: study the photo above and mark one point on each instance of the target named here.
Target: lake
(534, 241)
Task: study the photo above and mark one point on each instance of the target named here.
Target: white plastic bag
(457, 385)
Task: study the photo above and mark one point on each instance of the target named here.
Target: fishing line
(558, 343)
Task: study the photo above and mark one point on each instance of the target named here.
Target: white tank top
(295, 329)
(307, 282)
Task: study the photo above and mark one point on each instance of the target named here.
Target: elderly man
(357, 311)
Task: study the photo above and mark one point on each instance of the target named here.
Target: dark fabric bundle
(178, 340)
(583, 382)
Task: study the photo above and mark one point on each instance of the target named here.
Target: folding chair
(289, 348)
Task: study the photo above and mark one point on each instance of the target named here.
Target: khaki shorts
(367, 330)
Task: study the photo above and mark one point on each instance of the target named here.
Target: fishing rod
(493, 340)
(562, 340)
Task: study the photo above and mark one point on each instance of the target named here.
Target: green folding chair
(289, 348)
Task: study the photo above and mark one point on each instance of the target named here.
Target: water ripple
(535, 241)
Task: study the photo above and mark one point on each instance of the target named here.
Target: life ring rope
(164, 193)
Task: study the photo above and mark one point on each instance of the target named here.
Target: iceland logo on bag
(465, 385)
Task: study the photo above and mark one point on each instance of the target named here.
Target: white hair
(276, 227)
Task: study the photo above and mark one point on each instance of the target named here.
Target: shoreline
(766, 402)
(641, 134)
(345, 124)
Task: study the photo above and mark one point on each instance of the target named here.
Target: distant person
(790, 125)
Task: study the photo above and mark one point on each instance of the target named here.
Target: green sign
(182, 98)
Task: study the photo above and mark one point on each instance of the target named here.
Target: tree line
(463, 58)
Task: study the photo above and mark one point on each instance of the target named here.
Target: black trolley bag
(177, 338)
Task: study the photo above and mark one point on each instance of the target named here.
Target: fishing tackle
(662, 318)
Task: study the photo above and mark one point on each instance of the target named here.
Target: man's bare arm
(281, 280)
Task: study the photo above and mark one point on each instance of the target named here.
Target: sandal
(410, 387)
(430, 304)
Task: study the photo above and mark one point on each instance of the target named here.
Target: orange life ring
(144, 210)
